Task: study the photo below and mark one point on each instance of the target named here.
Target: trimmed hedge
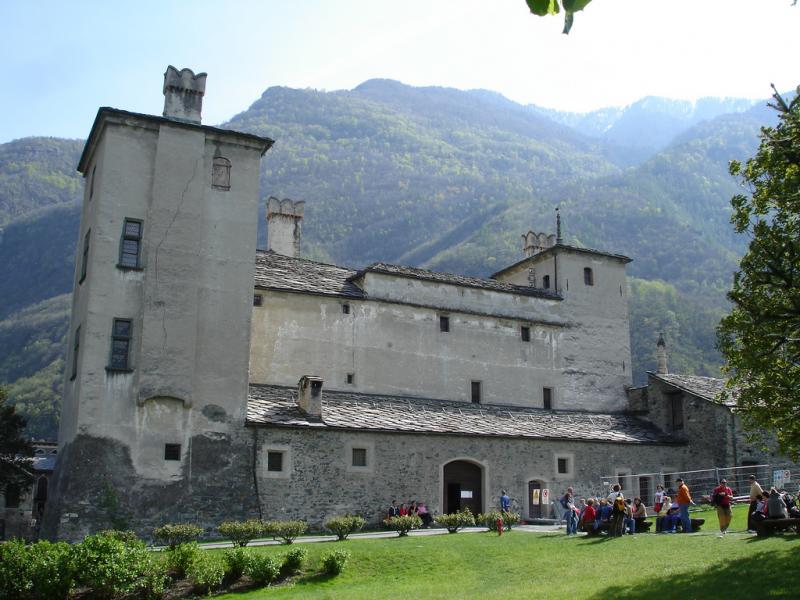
(455, 521)
(173, 534)
(402, 525)
(344, 526)
(286, 531)
(490, 519)
(241, 532)
(333, 563)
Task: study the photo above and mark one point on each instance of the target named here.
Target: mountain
(430, 177)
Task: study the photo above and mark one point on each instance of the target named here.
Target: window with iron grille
(345, 309)
(121, 344)
(563, 466)
(444, 323)
(258, 299)
(274, 461)
(476, 392)
(131, 244)
(546, 282)
(525, 333)
(359, 457)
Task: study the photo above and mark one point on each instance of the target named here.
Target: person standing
(658, 500)
(755, 492)
(505, 502)
(684, 500)
(570, 515)
(721, 497)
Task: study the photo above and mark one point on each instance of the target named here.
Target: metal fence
(702, 481)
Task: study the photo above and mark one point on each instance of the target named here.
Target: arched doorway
(536, 505)
(463, 487)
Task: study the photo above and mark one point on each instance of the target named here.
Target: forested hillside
(431, 177)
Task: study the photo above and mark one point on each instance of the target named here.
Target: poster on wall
(466, 494)
(535, 496)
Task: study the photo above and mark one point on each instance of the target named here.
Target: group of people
(412, 508)
(775, 504)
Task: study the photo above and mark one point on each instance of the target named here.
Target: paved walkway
(310, 539)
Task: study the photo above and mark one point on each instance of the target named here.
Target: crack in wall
(158, 249)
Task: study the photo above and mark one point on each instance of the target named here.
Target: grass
(527, 565)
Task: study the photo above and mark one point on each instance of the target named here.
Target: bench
(767, 527)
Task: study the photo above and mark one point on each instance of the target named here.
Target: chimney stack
(183, 94)
(533, 243)
(283, 225)
(661, 355)
(309, 395)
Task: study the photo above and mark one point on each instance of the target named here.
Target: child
(658, 503)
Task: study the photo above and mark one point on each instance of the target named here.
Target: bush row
(240, 533)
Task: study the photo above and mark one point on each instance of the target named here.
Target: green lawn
(529, 565)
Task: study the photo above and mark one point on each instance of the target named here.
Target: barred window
(525, 333)
(359, 457)
(121, 344)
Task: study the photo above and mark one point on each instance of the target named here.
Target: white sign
(545, 496)
(466, 494)
(781, 477)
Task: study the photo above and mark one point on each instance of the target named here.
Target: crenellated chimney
(533, 243)
(661, 355)
(283, 225)
(183, 94)
(309, 395)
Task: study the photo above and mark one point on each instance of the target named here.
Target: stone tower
(157, 365)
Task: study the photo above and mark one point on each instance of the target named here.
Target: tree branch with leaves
(542, 8)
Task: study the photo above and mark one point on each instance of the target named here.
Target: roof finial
(558, 227)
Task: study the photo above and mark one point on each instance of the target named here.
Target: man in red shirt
(721, 497)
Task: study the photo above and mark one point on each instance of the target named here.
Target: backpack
(619, 505)
(564, 502)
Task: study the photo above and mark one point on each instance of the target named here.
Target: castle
(207, 380)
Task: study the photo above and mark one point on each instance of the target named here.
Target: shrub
(129, 537)
(52, 570)
(15, 570)
(175, 534)
(240, 533)
(344, 526)
(287, 531)
(402, 525)
(206, 572)
(263, 569)
(181, 557)
(490, 519)
(455, 521)
(333, 563)
(235, 561)
(293, 561)
(153, 581)
(112, 565)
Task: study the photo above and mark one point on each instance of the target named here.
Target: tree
(15, 450)
(552, 7)
(760, 339)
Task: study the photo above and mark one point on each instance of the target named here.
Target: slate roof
(568, 248)
(452, 279)
(277, 272)
(708, 388)
(276, 406)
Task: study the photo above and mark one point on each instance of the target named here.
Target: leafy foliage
(235, 561)
(760, 339)
(173, 534)
(206, 571)
(455, 521)
(334, 562)
(552, 7)
(180, 557)
(286, 531)
(403, 524)
(15, 450)
(344, 526)
(241, 533)
(263, 569)
(489, 519)
(293, 561)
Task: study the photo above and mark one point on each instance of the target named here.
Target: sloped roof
(453, 279)
(565, 247)
(277, 406)
(708, 388)
(277, 272)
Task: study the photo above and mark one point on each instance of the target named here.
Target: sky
(62, 60)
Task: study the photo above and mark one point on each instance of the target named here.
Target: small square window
(525, 333)
(275, 461)
(345, 309)
(172, 451)
(563, 466)
(351, 378)
(476, 392)
(547, 398)
(257, 299)
(444, 323)
(359, 457)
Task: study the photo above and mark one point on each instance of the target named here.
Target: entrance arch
(462, 486)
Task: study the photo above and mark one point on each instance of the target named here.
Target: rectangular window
(351, 378)
(172, 451)
(359, 457)
(476, 392)
(676, 408)
(257, 299)
(547, 398)
(130, 245)
(444, 323)
(275, 461)
(525, 333)
(588, 276)
(85, 256)
(121, 344)
(12, 496)
(546, 282)
(345, 309)
(563, 466)
(76, 346)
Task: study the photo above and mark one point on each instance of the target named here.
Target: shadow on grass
(762, 575)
